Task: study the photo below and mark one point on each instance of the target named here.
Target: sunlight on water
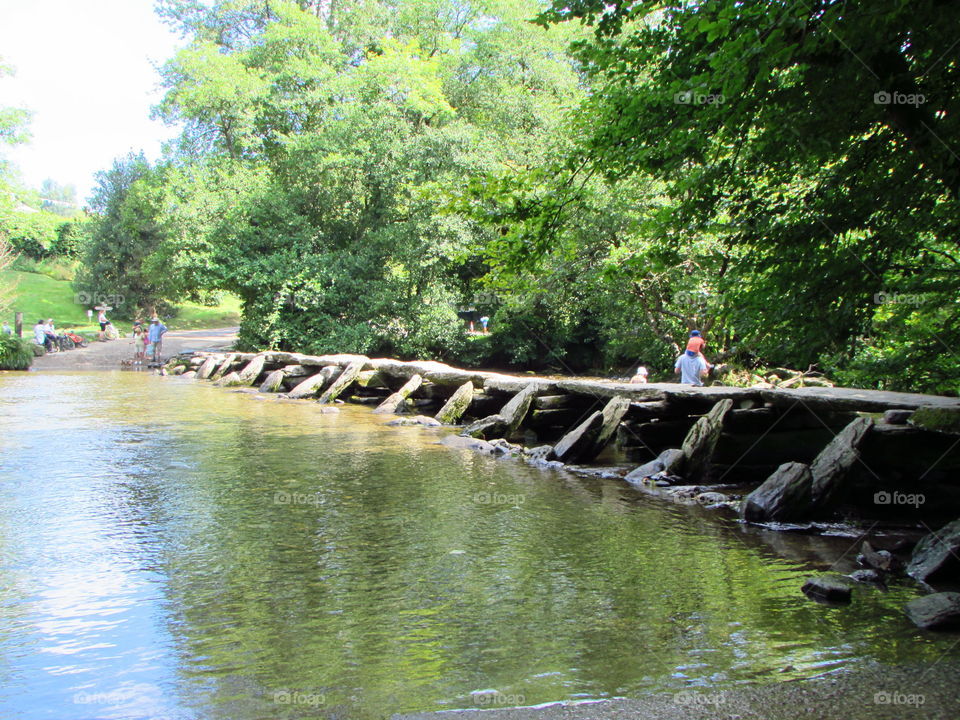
(174, 550)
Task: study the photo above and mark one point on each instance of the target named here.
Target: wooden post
(18, 324)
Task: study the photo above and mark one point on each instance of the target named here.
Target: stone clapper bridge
(777, 456)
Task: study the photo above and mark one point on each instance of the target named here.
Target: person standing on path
(6, 328)
(155, 336)
(102, 319)
(692, 368)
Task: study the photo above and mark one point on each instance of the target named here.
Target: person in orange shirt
(695, 345)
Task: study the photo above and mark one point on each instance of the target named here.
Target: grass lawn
(39, 296)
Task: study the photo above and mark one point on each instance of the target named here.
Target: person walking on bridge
(691, 367)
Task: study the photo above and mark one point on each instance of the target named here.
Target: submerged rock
(422, 420)
(939, 611)
(828, 588)
(467, 443)
(869, 576)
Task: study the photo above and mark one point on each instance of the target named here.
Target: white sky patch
(87, 72)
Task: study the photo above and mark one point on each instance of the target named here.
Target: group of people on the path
(45, 334)
(148, 341)
(691, 365)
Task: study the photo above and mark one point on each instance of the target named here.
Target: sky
(87, 71)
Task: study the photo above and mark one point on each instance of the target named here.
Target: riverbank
(873, 692)
(109, 355)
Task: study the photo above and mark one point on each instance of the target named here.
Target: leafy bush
(15, 354)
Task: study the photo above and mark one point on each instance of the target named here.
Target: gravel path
(108, 355)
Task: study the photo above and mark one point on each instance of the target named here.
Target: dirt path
(108, 355)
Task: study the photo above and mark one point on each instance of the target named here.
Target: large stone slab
(458, 403)
(397, 399)
(936, 558)
(273, 382)
(701, 442)
(783, 497)
(226, 366)
(579, 440)
(937, 419)
(309, 387)
(669, 462)
(207, 368)
(346, 378)
(832, 466)
(252, 371)
(516, 409)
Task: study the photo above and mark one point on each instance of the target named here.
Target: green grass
(39, 296)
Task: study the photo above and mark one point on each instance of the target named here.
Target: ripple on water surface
(174, 550)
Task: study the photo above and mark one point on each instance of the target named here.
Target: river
(169, 549)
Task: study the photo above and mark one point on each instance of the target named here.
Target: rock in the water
(309, 387)
(937, 419)
(492, 425)
(540, 454)
(189, 374)
(177, 370)
(423, 420)
(877, 559)
(669, 462)
(579, 440)
(249, 375)
(504, 447)
(828, 588)
(935, 558)
(939, 611)
(700, 443)
(273, 382)
(711, 498)
(467, 443)
(397, 399)
(585, 442)
(346, 378)
(897, 417)
(207, 368)
(832, 466)
(458, 403)
(869, 576)
(516, 409)
(783, 497)
(225, 366)
(229, 380)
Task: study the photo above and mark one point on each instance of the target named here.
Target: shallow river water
(173, 550)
